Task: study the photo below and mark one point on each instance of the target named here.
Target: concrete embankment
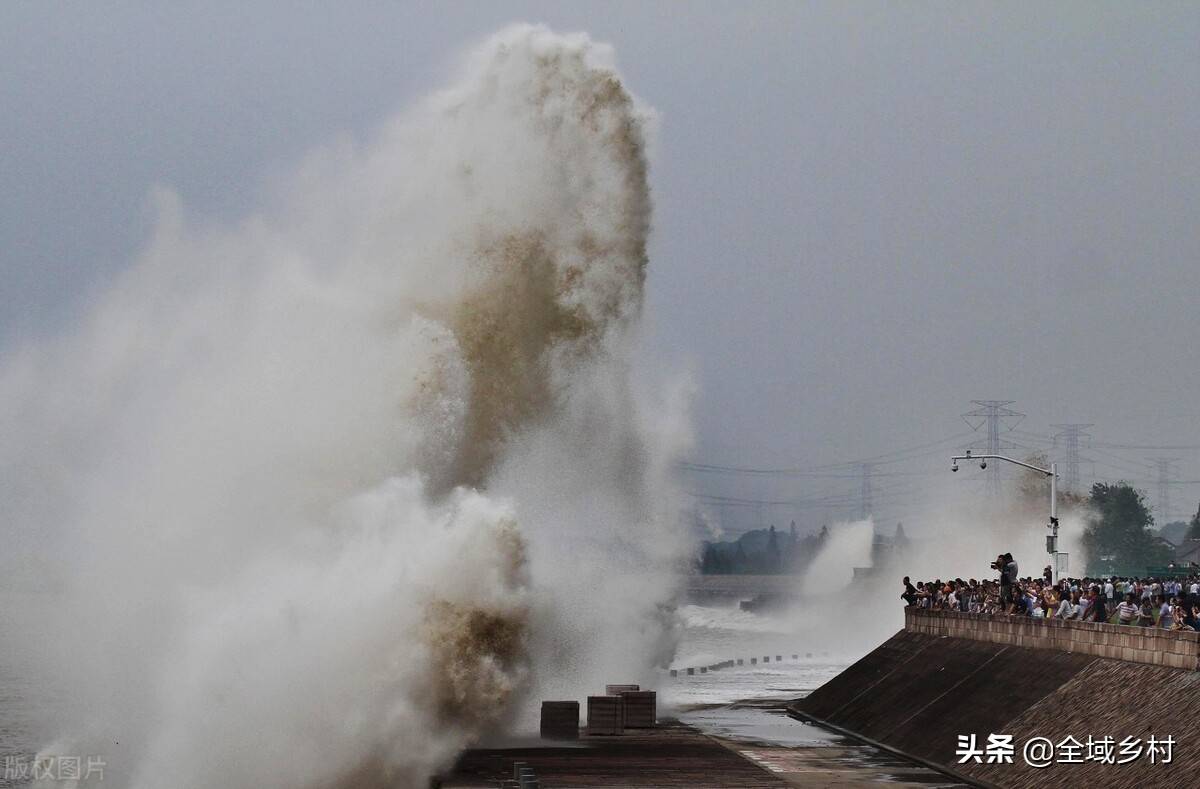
(948, 675)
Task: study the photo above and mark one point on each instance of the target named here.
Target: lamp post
(1052, 473)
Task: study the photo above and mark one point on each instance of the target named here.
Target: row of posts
(689, 672)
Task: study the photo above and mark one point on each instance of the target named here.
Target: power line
(1035, 437)
(842, 503)
(1122, 475)
(1151, 447)
(706, 468)
(851, 498)
(814, 471)
(1138, 466)
(864, 492)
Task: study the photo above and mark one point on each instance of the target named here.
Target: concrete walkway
(675, 755)
(842, 766)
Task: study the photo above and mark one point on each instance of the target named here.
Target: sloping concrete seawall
(922, 689)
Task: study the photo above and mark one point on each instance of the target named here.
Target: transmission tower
(1070, 435)
(1166, 472)
(865, 506)
(995, 415)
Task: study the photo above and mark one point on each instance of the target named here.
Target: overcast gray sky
(867, 214)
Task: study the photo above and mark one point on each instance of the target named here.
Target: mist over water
(832, 569)
(839, 616)
(336, 490)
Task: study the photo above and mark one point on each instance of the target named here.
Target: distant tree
(1118, 537)
(1193, 532)
(1174, 532)
(811, 545)
(900, 539)
(771, 560)
(741, 564)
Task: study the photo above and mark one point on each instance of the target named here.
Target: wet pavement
(806, 755)
(741, 745)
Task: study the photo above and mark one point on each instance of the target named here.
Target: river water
(746, 702)
(743, 703)
(25, 702)
(715, 634)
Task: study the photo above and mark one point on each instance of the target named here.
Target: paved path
(675, 755)
(841, 766)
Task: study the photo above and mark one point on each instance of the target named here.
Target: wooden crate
(604, 715)
(640, 708)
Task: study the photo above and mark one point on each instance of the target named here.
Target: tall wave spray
(331, 492)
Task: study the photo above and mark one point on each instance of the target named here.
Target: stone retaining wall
(1150, 645)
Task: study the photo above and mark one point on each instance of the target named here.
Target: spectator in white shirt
(1127, 611)
(1069, 607)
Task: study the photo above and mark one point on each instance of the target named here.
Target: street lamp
(1052, 473)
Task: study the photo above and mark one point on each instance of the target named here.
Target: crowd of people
(1169, 603)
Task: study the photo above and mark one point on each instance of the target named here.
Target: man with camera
(1008, 577)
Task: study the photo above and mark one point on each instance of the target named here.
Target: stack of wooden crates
(622, 707)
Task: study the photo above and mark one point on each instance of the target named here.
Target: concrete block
(560, 720)
(1174, 661)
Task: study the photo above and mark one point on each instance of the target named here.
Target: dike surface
(949, 675)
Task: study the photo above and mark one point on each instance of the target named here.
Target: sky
(867, 215)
